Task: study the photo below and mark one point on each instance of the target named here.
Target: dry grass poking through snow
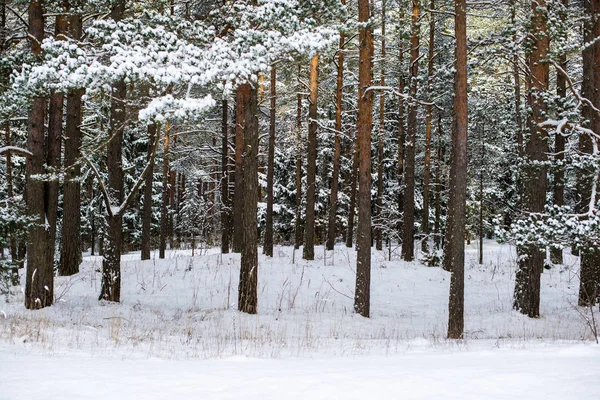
(185, 307)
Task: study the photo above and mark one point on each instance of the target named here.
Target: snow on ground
(560, 373)
(182, 309)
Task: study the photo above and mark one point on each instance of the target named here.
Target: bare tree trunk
(39, 285)
(9, 176)
(534, 177)
(54, 145)
(353, 183)
(517, 84)
(401, 87)
(225, 203)
(70, 255)
(308, 252)
(408, 238)
(172, 206)
(337, 150)
(454, 254)
(556, 254)
(231, 173)
(428, 123)
(268, 242)
(481, 169)
(438, 185)
(9, 189)
(298, 226)
(362, 294)
(589, 276)
(238, 198)
(247, 120)
(164, 217)
(379, 207)
(147, 206)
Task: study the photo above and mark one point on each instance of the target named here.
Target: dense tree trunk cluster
(295, 165)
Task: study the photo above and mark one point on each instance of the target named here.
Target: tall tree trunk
(147, 206)
(7, 139)
(337, 147)
(401, 86)
(298, 225)
(54, 142)
(589, 276)
(9, 176)
(362, 294)
(39, 285)
(408, 239)
(308, 252)
(454, 254)
(248, 121)
(225, 203)
(556, 254)
(438, 185)
(534, 178)
(379, 207)
(238, 198)
(172, 206)
(9, 189)
(164, 216)
(231, 173)
(353, 184)
(111, 264)
(481, 169)
(70, 254)
(268, 242)
(517, 84)
(428, 123)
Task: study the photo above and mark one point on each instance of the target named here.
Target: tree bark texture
(408, 238)
(379, 203)
(362, 294)
(70, 252)
(248, 121)
(268, 240)
(558, 192)
(225, 203)
(54, 146)
(111, 264)
(238, 198)
(308, 252)
(428, 129)
(438, 185)
(534, 177)
(353, 191)
(164, 210)
(337, 148)
(589, 276)
(454, 254)
(147, 202)
(401, 133)
(298, 225)
(39, 283)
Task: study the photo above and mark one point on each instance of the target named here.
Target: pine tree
(247, 119)
(268, 239)
(534, 176)
(408, 238)
(362, 295)
(454, 252)
(308, 252)
(39, 285)
(70, 254)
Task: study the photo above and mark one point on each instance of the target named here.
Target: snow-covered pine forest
(300, 199)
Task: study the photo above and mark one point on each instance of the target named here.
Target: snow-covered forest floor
(181, 309)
